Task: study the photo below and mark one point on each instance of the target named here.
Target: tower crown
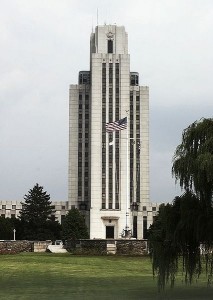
(109, 39)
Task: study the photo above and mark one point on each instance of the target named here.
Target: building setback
(109, 172)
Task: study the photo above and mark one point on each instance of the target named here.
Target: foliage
(6, 228)
(73, 226)
(36, 220)
(182, 227)
(37, 206)
(178, 232)
(193, 160)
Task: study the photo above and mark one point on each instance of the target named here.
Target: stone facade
(109, 173)
(14, 247)
(100, 247)
(11, 209)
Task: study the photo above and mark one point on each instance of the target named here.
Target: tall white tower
(108, 173)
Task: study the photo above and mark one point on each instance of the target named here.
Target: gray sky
(44, 43)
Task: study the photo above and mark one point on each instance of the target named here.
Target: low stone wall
(131, 247)
(99, 247)
(83, 247)
(88, 247)
(14, 247)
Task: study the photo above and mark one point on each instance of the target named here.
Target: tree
(183, 226)
(36, 215)
(6, 229)
(73, 226)
(193, 160)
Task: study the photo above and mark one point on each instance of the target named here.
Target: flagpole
(127, 175)
(117, 126)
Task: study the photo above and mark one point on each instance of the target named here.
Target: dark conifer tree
(36, 215)
(37, 206)
(73, 226)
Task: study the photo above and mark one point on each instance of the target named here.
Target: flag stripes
(117, 125)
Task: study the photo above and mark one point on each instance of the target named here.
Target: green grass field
(64, 276)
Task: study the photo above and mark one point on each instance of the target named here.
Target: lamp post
(14, 234)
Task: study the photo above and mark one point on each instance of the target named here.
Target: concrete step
(111, 249)
(56, 249)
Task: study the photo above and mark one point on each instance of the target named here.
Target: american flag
(117, 125)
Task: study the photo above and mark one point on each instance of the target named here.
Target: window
(135, 223)
(144, 208)
(62, 207)
(110, 46)
(154, 209)
(145, 227)
(3, 206)
(13, 215)
(116, 205)
(62, 218)
(3, 215)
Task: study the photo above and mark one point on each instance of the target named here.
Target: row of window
(86, 97)
(14, 207)
(12, 215)
(153, 208)
(5, 207)
(103, 206)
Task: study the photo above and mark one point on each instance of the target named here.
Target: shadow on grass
(72, 277)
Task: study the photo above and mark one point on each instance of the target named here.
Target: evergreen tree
(36, 215)
(6, 229)
(37, 206)
(73, 226)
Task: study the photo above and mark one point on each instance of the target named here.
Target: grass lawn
(64, 276)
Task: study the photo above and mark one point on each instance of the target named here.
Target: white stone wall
(12, 208)
(144, 151)
(100, 218)
(73, 146)
(120, 39)
(120, 46)
(96, 145)
(9, 209)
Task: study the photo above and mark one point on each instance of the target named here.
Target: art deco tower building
(109, 172)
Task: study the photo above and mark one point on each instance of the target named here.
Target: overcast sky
(44, 44)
